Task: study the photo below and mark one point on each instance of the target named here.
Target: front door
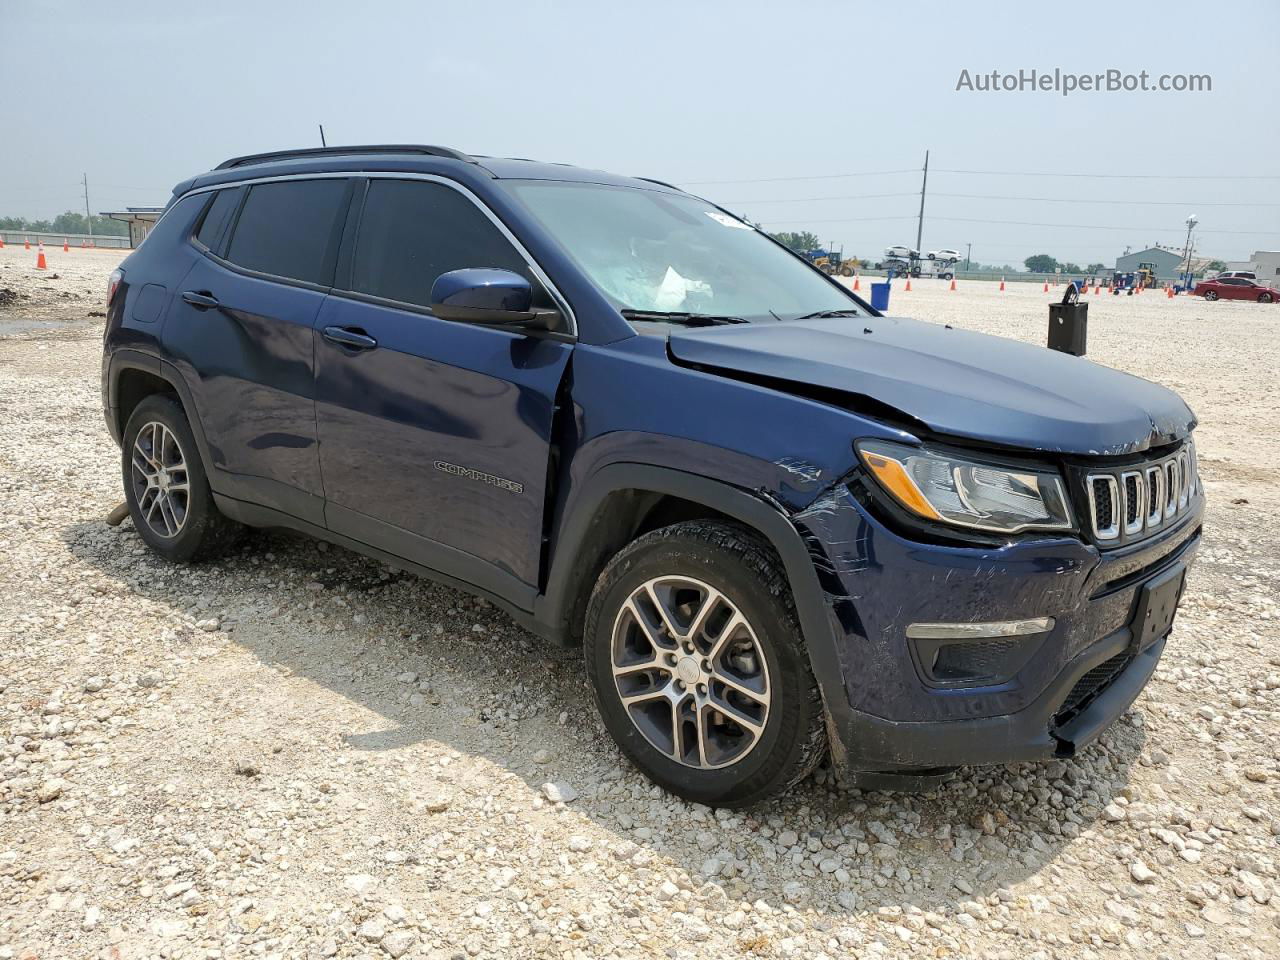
(434, 436)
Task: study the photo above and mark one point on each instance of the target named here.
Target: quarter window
(413, 231)
(290, 229)
(215, 220)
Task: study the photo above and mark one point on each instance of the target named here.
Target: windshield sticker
(725, 220)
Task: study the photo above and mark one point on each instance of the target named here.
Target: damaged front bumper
(895, 716)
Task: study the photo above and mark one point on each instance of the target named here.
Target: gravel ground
(297, 752)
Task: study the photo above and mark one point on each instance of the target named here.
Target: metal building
(139, 219)
(1168, 262)
(1265, 264)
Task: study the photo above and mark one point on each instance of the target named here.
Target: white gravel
(298, 753)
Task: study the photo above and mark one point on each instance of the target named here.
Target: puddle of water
(12, 325)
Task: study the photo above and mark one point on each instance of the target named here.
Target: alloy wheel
(690, 672)
(161, 486)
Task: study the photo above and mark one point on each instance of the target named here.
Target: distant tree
(1094, 269)
(69, 222)
(1215, 265)
(801, 242)
(1041, 263)
(1071, 268)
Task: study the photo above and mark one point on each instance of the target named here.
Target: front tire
(695, 657)
(1210, 295)
(166, 487)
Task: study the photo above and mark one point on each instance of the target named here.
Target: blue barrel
(880, 296)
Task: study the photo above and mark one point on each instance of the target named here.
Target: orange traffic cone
(84, 245)
(1046, 286)
(1169, 292)
(1002, 284)
(907, 288)
(65, 248)
(953, 283)
(1, 243)
(1095, 289)
(27, 244)
(857, 283)
(41, 264)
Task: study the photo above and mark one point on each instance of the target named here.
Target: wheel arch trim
(553, 607)
(123, 360)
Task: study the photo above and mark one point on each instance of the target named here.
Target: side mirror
(486, 295)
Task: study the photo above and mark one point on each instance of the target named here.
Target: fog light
(970, 654)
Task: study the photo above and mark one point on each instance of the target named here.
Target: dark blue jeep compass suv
(777, 522)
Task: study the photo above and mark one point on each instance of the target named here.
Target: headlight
(968, 493)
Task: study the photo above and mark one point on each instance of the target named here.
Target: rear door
(241, 335)
(435, 437)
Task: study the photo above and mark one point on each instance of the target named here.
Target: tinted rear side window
(290, 229)
(215, 220)
(412, 231)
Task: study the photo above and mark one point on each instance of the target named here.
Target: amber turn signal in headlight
(952, 489)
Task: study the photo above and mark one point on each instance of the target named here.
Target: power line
(1024, 223)
(851, 196)
(1158, 203)
(840, 220)
(992, 196)
(824, 176)
(1097, 226)
(111, 186)
(1000, 173)
(1116, 176)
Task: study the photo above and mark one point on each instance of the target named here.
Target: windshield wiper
(682, 317)
(825, 314)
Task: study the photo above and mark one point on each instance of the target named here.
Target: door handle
(201, 299)
(351, 337)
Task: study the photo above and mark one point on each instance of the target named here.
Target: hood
(955, 382)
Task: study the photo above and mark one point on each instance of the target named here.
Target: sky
(813, 116)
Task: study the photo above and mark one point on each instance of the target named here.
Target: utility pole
(924, 184)
(968, 249)
(322, 143)
(1186, 253)
(87, 215)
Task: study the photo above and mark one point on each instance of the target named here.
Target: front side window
(651, 251)
(290, 229)
(412, 231)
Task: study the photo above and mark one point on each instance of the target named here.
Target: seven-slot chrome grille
(1131, 502)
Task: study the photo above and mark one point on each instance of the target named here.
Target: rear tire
(1264, 298)
(166, 487)
(694, 624)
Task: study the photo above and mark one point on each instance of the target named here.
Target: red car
(1236, 288)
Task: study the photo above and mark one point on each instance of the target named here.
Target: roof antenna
(322, 143)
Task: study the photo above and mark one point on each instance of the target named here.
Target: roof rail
(661, 183)
(308, 152)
